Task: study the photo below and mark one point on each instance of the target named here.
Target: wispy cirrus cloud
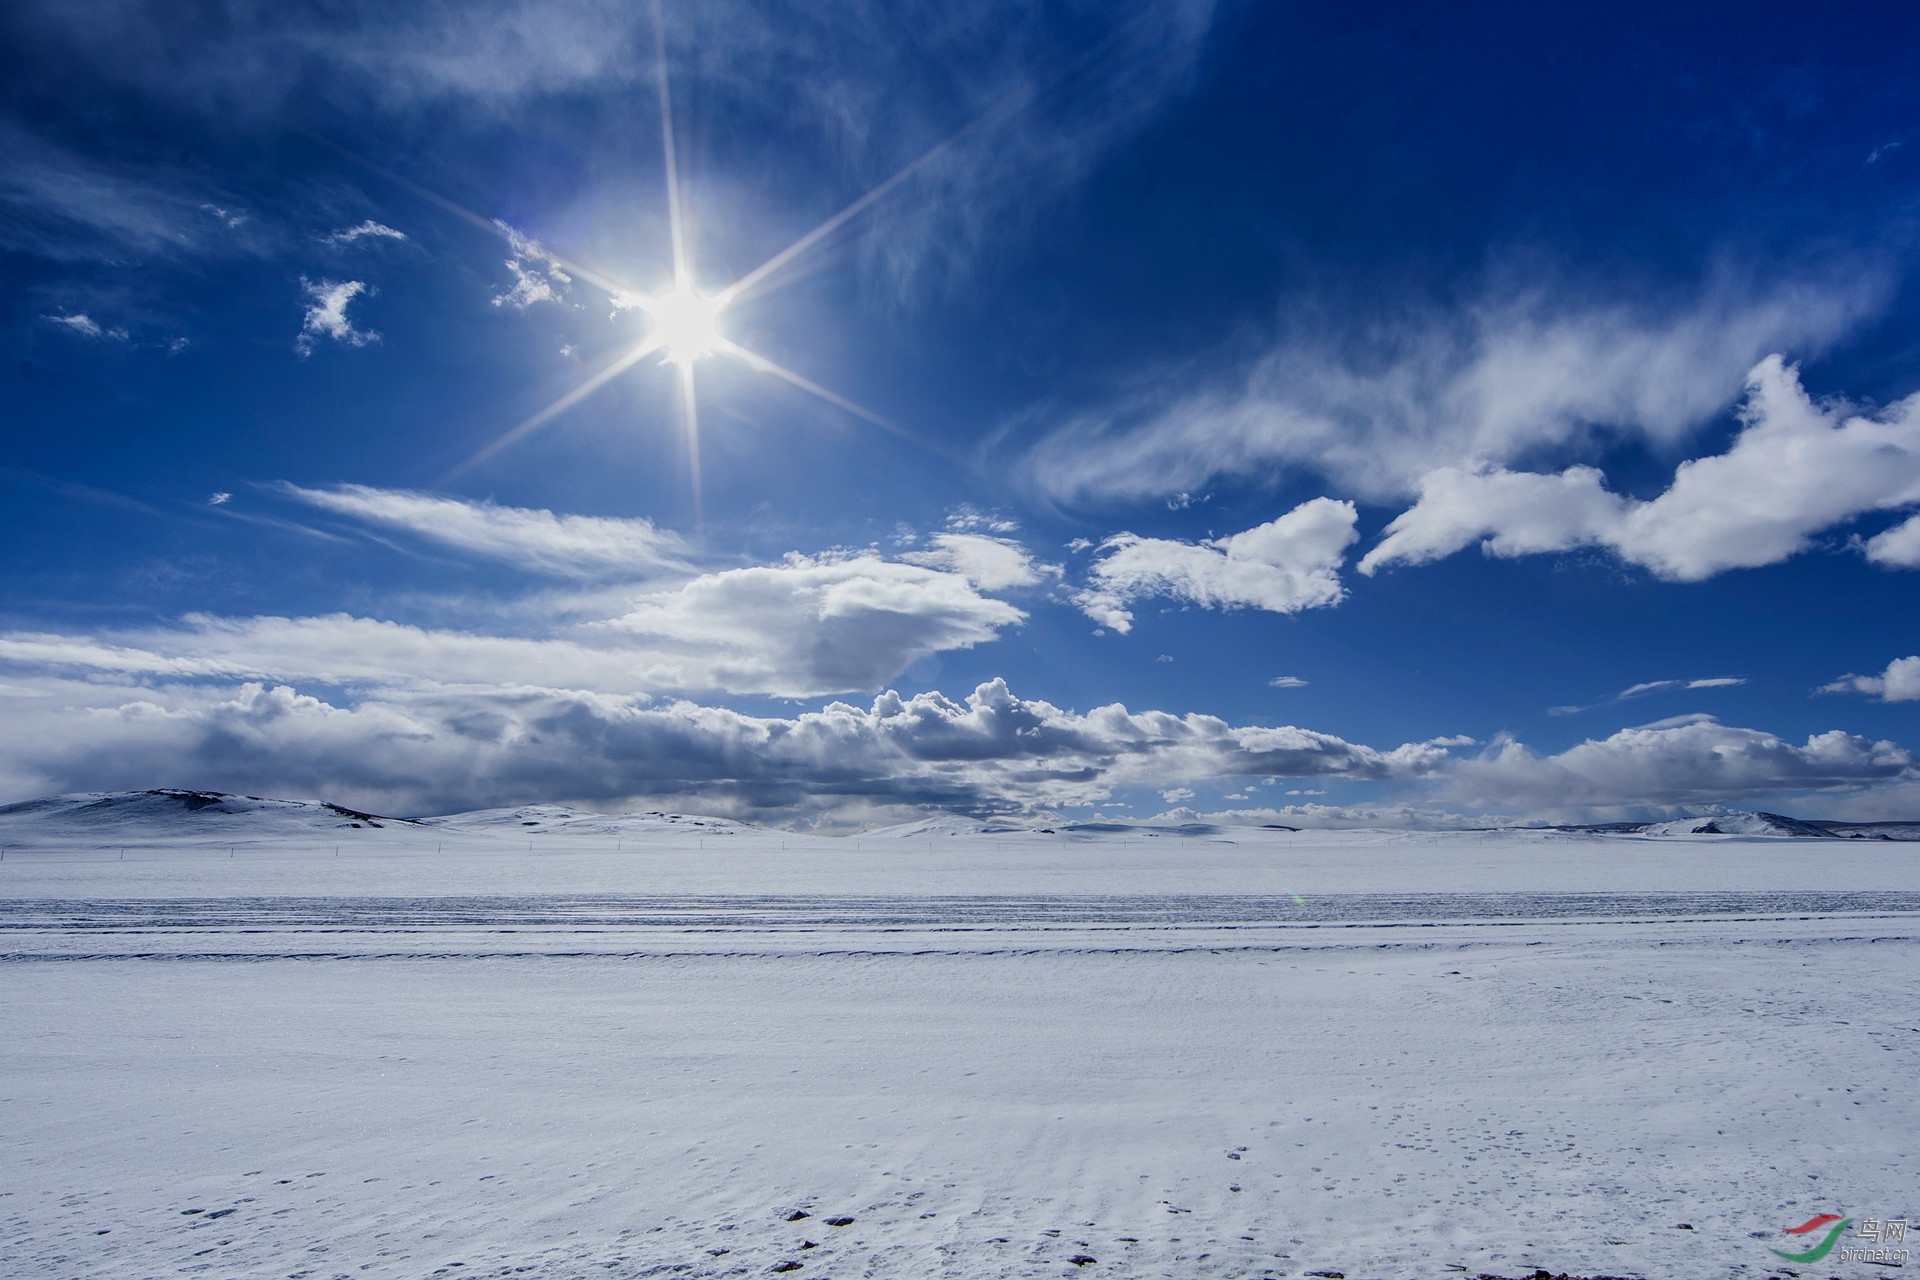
(1648, 688)
(1796, 468)
(1644, 688)
(86, 326)
(71, 208)
(880, 84)
(807, 626)
(1286, 565)
(1530, 367)
(537, 277)
(366, 230)
(534, 539)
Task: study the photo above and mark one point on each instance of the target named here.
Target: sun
(684, 321)
(686, 324)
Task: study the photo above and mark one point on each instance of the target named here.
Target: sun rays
(684, 321)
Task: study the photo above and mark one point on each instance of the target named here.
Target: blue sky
(1319, 415)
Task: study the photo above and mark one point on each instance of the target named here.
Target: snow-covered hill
(170, 814)
(1738, 824)
(167, 810)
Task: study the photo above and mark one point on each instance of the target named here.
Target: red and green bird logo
(1814, 1223)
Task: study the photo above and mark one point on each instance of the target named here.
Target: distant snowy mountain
(169, 810)
(1754, 823)
(1871, 830)
(173, 814)
(564, 819)
(1737, 824)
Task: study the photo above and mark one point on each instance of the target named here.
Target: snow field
(1444, 1056)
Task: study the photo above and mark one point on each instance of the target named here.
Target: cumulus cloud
(1690, 760)
(1795, 469)
(1313, 815)
(369, 228)
(1898, 547)
(532, 539)
(1283, 566)
(990, 563)
(1900, 682)
(811, 624)
(327, 314)
(992, 753)
(1375, 411)
(444, 746)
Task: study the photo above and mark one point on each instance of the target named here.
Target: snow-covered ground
(254, 1039)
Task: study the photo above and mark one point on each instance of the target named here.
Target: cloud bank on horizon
(1031, 467)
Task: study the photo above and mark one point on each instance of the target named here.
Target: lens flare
(686, 325)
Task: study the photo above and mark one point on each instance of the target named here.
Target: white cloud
(369, 228)
(991, 564)
(1287, 682)
(1283, 566)
(534, 539)
(805, 626)
(450, 745)
(542, 281)
(1900, 682)
(1898, 547)
(879, 84)
(333, 649)
(1795, 469)
(811, 624)
(967, 519)
(1377, 410)
(66, 207)
(451, 750)
(86, 326)
(801, 628)
(1319, 817)
(1690, 760)
(327, 314)
(1662, 686)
